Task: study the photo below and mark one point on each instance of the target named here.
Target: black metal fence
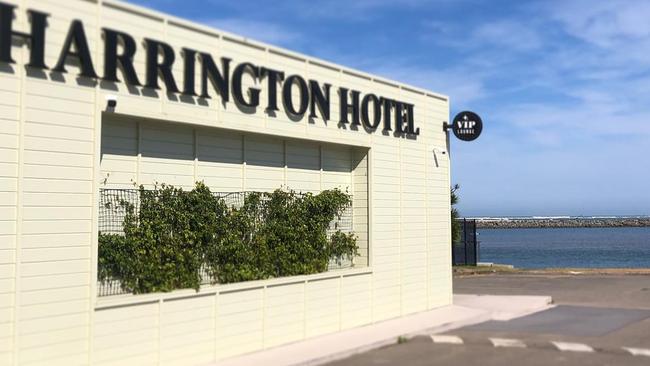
(112, 212)
(465, 252)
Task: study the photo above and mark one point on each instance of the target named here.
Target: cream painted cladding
(136, 153)
(58, 147)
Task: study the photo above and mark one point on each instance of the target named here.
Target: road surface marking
(572, 347)
(505, 342)
(449, 339)
(638, 351)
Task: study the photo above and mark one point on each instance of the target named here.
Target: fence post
(453, 253)
(465, 239)
(475, 246)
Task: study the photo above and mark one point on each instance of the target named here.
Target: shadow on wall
(141, 91)
(110, 86)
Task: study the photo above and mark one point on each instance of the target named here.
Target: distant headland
(561, 222)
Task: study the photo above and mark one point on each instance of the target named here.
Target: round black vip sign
(467, 126)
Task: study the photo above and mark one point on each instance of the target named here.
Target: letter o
(365, 117)
(288, 100)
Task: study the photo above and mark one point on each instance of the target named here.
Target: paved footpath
(598, 320)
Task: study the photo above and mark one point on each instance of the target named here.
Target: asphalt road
(626, 291)
(612, 294)
(606, 314)
(421, 352)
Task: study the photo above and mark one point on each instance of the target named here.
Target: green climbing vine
(173, 234)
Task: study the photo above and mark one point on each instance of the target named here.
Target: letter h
(36, 39)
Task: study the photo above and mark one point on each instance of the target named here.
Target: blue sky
(563, 87)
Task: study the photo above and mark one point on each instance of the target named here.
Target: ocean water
(567, 247)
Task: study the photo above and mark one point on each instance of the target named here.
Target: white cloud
(603, 23)
(508, 34)
(586, 122)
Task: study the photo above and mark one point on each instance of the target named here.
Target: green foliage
(114, 253)
(175, 233)
(455, 224)
(237, 252)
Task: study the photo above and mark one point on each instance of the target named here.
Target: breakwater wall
(529, 223)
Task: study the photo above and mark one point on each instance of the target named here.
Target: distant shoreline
(460, 271)
(542, 223)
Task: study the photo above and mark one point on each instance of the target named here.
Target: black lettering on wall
(237, 89)
(189, 68)
(376, 111)
(36, 38)
(273, 77)
(399, 117)
(387, 104)
(410, 120)
(162, 68)
(302, 91)
(76, 37)
(346, 106)
(319, 98)
(120, 49)
(218, 79)
(113, 60)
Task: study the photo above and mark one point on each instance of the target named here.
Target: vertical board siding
(360, 207)
(240, 322)
(337, 165)
(322, 308)
(134, 153)
(220, 160)
(187, 331)
(303, 163)
(127, 335)
(356, 301)
(265, 163)
(119, 153)
(284, 314)
(167, 156)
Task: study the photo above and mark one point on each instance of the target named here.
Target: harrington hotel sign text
(372, 111)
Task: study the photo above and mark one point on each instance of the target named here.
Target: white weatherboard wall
(134, 153)
(58, 148)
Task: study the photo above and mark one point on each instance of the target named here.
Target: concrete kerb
(336, 346)
(328, 348)
(505, 308)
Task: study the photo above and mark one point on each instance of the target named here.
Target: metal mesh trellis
(112, 209)
(113, 205)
